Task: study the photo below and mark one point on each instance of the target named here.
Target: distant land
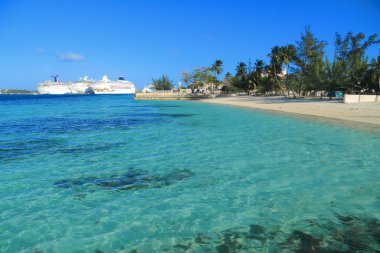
(14, 91)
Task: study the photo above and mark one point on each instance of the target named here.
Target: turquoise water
(110, 174)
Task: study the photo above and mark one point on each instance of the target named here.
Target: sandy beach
(363, 114)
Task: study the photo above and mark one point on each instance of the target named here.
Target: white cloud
(70, 57)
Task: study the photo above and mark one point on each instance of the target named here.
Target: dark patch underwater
(60, 125)
(132, 180)
(347, 234)
(26, 148)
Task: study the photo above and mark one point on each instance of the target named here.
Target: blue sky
(144, 39)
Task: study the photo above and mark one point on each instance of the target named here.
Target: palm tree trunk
(278, 82)
(287, 73)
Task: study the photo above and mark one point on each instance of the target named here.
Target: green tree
(257, 74)
(333, 75)
(217, 67)
(308, 61)
(316, 77)
(288, 54)
(203, 76)
(350, 52)
(186, 78)
(162, 83)
(329, 77)
(375, 73)
(280, 60)
(240, 81)
(227, 82)
(292, 83)
(276, 61)
(259, 67)
(199, 78)
(241, 70)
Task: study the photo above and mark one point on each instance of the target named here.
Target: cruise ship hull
(126, 92)
(54, 89)
(81, 88)
(106, 86)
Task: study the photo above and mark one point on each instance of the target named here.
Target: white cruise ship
(86, 86)
(83, 86)
(56, 87)
(53, 88)
(106, 86)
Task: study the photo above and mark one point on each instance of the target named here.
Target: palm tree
(241, 70)
(259, 67)
(288, 54)
(217, 67)
(276, 63)
(259, 71)
(241, 76)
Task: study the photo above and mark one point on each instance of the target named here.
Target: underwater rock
(182, 247)
(351, 234)
(303, 242)
(374, 229)
(360, 234)
(256, 229)
(132, 180)
(202, 239)
(257, 232)
(346, 219)
(69, 183)
(178, 175)
(223, 248)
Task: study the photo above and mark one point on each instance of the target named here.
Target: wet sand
(363, 113)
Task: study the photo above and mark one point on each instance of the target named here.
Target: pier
(169, 95)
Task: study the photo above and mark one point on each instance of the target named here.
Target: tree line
(296, 69)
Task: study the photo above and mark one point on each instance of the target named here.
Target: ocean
(109, 174)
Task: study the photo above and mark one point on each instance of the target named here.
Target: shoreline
(365, 115)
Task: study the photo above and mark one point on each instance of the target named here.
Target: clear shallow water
(109, 174)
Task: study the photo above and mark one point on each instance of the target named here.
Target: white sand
(366, 113)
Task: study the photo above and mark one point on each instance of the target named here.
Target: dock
(169, 96)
